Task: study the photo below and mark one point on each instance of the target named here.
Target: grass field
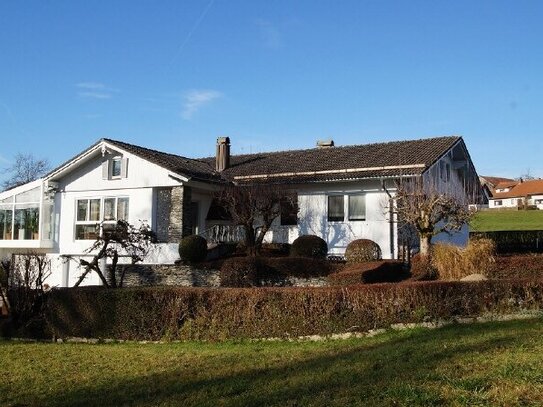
(491, 220)
(492, 364)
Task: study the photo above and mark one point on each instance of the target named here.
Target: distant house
(517, 194)
(342, 193)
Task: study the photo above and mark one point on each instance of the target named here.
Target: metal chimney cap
(325, 143)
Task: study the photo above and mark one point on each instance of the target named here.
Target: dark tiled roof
(320, 164)
(180, 165)
(376, 160)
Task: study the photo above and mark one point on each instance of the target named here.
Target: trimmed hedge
(514, 241)
(219, 314)
(370, 273)
(260, 271)
(517, 266)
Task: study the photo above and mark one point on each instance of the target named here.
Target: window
(336, 208)
(357, 207)
(116, 164)
(498, 202)
(115, 168)
(289, 212)
(90, 220)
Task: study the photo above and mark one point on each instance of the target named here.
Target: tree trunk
(250, 240)
(425, 244)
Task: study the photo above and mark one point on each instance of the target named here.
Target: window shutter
(124, 168)
(105, 169)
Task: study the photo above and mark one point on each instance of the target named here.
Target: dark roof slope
(389, 159)
(180, 165)
(411, 157)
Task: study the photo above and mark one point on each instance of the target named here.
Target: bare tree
(121, 240)
(255, 207)
(26, 168)
(429, 211)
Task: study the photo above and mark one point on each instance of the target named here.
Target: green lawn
(491, 220)
(470, 365)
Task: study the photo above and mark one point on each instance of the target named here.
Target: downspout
(390, 219)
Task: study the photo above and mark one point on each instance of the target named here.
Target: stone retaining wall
(190, 276)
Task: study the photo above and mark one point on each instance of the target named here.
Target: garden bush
(453, 262)
(259, 271)
(389, 271)
(422, 268)
(241, 272)
(362, 250)
(517, 266)
(174, 313)
(193, 249)
(309, 246)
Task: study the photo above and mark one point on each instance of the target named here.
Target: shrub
(309, 246)
(241, 272)
(422, 268)
(453, 262)
(517, 266)
(370, 272)
(362, 250)
(175, 313)
(258, 271)
(193, 249)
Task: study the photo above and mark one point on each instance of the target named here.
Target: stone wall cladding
(163, 203)
(190, 276)
(179, 217)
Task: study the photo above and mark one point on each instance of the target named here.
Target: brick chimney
(222, 159)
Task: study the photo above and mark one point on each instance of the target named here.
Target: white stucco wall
(313, 217)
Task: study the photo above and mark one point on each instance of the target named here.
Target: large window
(357, 207)
(96, 215)
(336, 208)
(20, 216)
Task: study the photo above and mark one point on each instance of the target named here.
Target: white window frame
(346, 208)
(119, 160)
(100, 223)
(498, 202)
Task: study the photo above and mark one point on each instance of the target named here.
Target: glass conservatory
(26, 217)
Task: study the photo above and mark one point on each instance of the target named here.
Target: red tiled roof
(522, 189)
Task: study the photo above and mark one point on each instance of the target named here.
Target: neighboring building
(343, 194)
(517, 194)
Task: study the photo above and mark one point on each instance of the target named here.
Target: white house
(517, 194)
(343, 194)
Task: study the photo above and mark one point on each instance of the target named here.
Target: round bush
(193, 249)
(362, 250)
(309, 246)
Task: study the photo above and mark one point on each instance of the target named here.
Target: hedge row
(218, 314)
(372, 272)
(514, 241)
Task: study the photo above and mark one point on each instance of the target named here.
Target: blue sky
(272, 75)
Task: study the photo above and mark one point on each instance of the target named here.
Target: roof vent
(325, 143)
(222, 159)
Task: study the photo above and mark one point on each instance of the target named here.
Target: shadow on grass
(386, 373)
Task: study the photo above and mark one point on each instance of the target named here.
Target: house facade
(343, 194)
(517, 194)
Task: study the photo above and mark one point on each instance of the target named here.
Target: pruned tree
(25, 168)
(255, 207)
(423, 208)
(121, 240)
